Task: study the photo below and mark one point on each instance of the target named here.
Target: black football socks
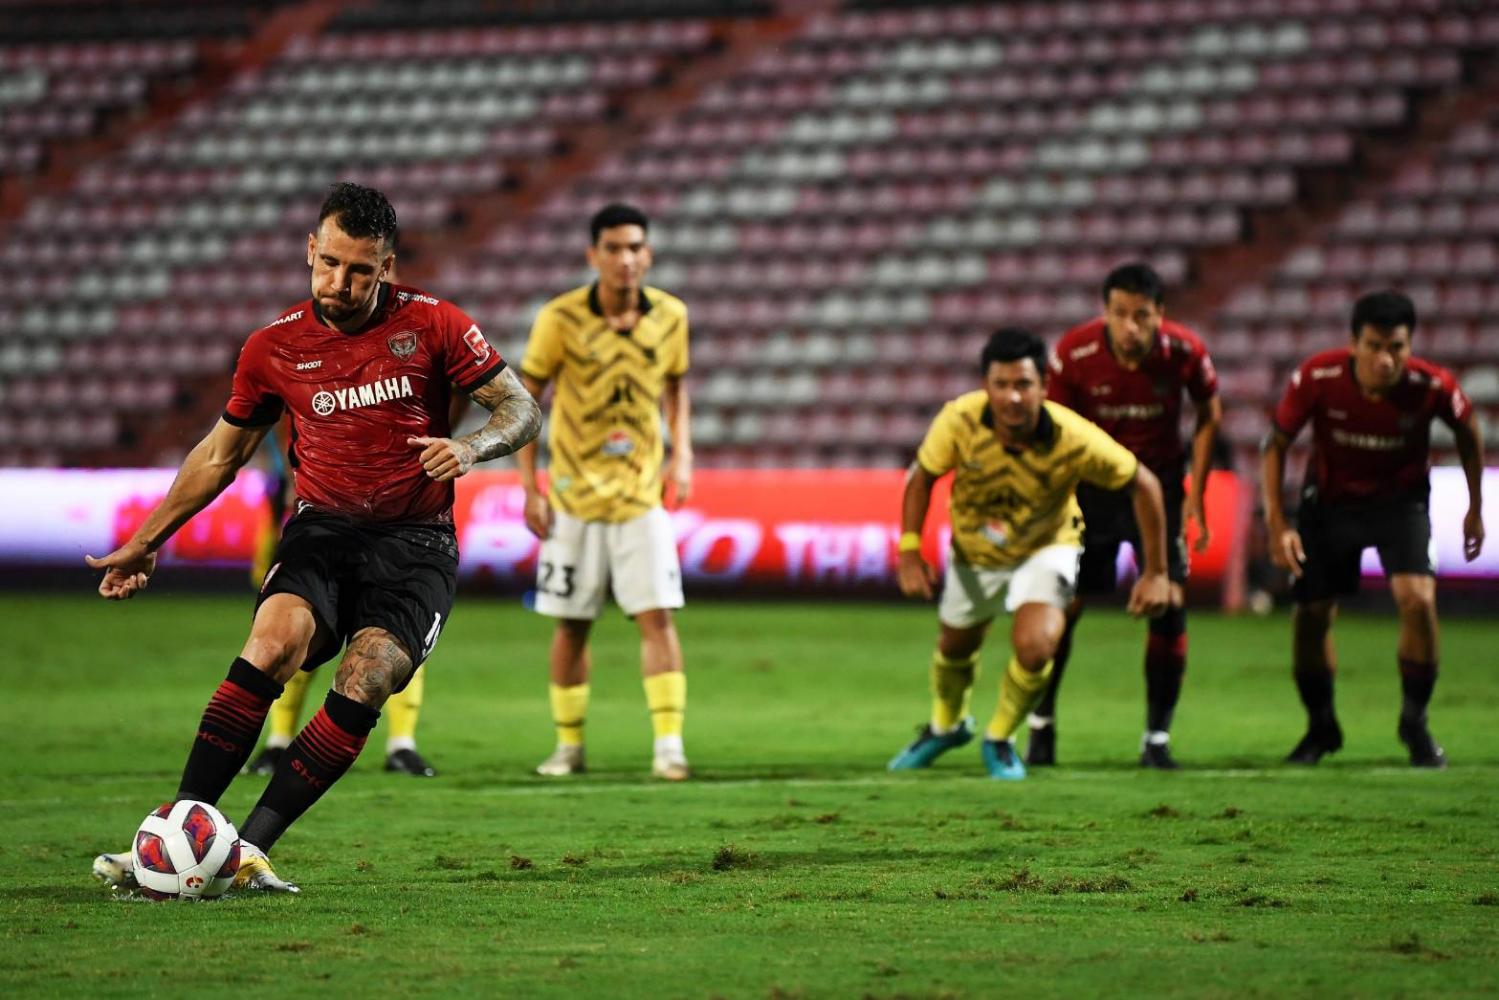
(231, 725)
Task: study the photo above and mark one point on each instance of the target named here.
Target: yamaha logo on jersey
(402, 345)
(368, 394)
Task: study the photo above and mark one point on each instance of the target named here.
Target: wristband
(910, 542)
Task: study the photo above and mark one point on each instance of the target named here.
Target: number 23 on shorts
(562, 587)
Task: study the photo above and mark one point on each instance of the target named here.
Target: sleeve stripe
(249, 421)
(483, 377)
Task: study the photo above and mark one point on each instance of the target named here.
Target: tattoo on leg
(374, 664)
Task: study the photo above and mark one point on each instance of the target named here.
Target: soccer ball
(185, 850)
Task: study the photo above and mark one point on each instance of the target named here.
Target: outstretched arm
(514, 419)
(1470, 451)
(916, 577)
(207, 470)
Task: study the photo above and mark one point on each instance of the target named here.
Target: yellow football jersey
(1007, 503)
(605, 437)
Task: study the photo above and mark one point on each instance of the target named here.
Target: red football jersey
(1141, 409)
(355, 398)
(1363, 448)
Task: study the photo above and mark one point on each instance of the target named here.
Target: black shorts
(1335, 537)
(1109, 521)
(396, 577)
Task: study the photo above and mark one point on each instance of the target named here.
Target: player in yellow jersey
(616, 350)
(1016, 461)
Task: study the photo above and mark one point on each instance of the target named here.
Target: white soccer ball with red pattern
(185, 850)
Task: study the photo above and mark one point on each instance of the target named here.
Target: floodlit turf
(793, 865)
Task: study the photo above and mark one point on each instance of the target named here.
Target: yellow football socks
(287, 709)
(952, 680)
(403, 709)
(666, 695)
(1019, 690)
(266, 538)
(569, 706)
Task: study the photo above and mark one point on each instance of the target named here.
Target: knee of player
(1035, 649)
(276, 655)
(373, 666)
(1316, 615)
(1420, 603)
(656, 621)
(575, 629)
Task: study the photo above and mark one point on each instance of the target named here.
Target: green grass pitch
(793, 864)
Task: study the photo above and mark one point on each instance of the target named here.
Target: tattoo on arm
(514, 417)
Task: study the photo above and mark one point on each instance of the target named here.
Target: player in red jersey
(1127, 371)
(1371, 410)
(369, 561)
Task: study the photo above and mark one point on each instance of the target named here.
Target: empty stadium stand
(847, 207)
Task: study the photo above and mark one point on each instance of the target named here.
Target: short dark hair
(1384, 311)
(1013, 343)
(1136, 279)
(617, 214)
(362, 212)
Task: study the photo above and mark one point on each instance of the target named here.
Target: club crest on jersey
(997, 532)
(476, 343)
(368, 394)
(403, 344)
(618, 443)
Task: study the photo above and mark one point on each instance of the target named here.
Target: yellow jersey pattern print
(605, 434)
(1008, 503)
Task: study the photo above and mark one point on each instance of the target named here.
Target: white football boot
(669, 763)
(565, 760)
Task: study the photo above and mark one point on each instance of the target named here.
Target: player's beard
(339, 310)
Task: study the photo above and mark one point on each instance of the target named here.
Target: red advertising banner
(793, 527)
(812, 528)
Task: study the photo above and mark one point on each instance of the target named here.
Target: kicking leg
(283, 631)
(327, 746)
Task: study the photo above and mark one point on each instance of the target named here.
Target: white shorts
(971, 594)
(582, 559)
